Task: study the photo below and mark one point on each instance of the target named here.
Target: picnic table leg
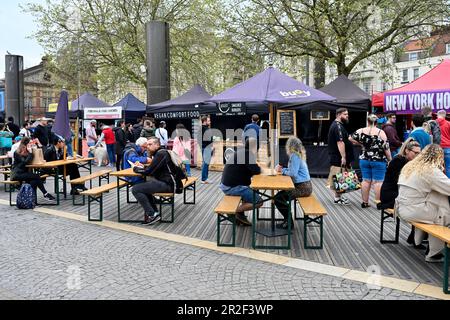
(57, 185)
(254, 220)
(118, 200)
(289, 222)
(446, 266)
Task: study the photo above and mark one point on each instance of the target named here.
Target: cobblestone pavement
(46, 257)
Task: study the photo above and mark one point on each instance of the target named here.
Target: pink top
(179, 147)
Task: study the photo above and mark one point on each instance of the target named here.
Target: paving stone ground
(46, 257)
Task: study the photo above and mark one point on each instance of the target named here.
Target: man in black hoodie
(159, 180)
(121, 142)
(137, 129)
(236, 178)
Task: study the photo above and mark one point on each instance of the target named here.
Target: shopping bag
(346, 181)
(38, 156)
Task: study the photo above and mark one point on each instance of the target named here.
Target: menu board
(287, 124)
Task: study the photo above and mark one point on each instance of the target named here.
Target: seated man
(236, 179)
(56, 152)
(135, 152)
(159, 180)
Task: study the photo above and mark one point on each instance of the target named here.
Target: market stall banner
(231, 109)
(413, 102)
(103, 113)
(177, 115)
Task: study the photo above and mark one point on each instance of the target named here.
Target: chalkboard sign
(287, 124)
(320, 115)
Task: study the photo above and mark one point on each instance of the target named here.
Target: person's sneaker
(242, 219)
(435, 259)
(205, 182)
(49, 196)
(149, 220)
(284, 225)
(74, 192)
(342, 201)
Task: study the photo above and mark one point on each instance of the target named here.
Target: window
(413, 56)
(384, 86)
(46, 99)
(416, 73)
(366, 87)
(405, 75)
(447, 48)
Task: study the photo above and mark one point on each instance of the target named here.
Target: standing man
(42, 133)
(207, 148)
(161, 134)
(121, 141)
(444, 125)
(431, 126)
(391, 133)
(252, 130)
(110, 141)
(340, 150)
(137, 128)
(91, 136)
(25, 131)
(419, 134)
(13, 127)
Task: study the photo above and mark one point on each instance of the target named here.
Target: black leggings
(33, 179)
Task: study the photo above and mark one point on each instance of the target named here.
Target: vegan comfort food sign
(413, 102)
(103, 113)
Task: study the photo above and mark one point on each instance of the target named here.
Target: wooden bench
(442, 233)
(386, 214)
(168, 199)
(101, 175)
(96, 195)
(311, 207)
(15, 185)
(226, 211)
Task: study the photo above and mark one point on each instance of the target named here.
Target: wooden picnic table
(80, 162)
(261, 184)
(122, 175)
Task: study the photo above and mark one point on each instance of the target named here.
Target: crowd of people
(410, 176)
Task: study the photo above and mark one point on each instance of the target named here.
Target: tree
(343, 33)
(112, 38)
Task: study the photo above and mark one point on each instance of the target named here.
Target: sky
(15, 29)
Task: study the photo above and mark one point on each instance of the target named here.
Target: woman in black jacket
(19, 172)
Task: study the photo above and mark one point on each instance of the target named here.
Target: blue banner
(2, 101)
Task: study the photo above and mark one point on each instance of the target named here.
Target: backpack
(25, 197)
(433, 129)
(177, 169)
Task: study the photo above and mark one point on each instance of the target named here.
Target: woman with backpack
(182, 146)
(19, 172)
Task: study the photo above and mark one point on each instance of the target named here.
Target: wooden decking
(351, 234)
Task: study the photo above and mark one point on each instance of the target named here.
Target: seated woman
(423, 196)
(182, 146)
(389, 189)
(19, 172)
(298, 170)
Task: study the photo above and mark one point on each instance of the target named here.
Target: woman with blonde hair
(298, 171)
(372, 161)
(424, 192)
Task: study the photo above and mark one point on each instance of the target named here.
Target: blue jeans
(188, 168)
(245, 192)
(205, 165)
(90, 144)
(69, 148)
(447, 161)
(111, 153)
(372, 170)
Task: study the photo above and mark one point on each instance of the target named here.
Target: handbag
(346, 181)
